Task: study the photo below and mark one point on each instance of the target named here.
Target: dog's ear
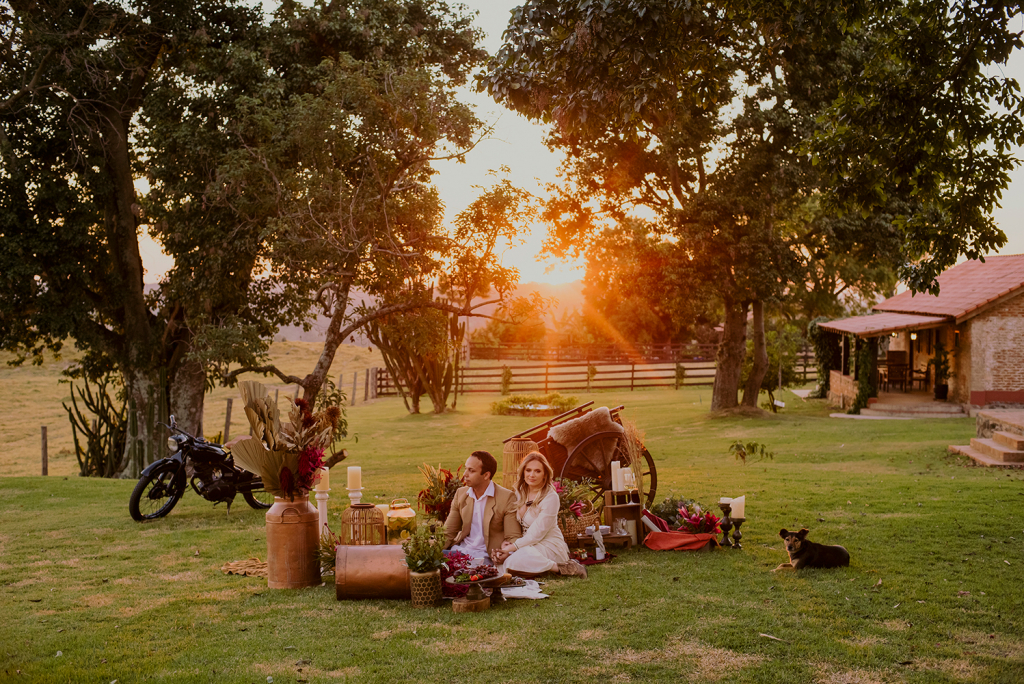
(783, 532)
(802, 533)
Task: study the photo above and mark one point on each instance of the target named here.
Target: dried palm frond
(262, 413)
(251, 455)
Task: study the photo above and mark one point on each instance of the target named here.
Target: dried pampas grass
(633, 443)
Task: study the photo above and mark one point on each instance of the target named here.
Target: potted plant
(940, 366)
(424, 556)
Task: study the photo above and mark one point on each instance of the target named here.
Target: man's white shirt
(475, 545)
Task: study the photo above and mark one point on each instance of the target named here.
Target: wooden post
(46, 467)
(373, 383)
(355, 384)
(227, 423)
(366, 386)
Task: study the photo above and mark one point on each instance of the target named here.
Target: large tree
(76, 76)
(703, 114)
(289, 163)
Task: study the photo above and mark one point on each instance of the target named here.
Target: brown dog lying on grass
(807, 554)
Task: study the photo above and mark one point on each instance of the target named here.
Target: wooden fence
(559, 377)
(595, 353)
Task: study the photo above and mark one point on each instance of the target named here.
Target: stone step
(908, 414)
(936, 407)
(980, 458)
(1009, 439)
(995, 450)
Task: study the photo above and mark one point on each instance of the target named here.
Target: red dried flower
(287, 482)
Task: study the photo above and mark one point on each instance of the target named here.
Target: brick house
(978, 316)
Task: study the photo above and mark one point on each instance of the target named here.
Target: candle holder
(737, 535)
(355, 495)
(321, 506)
(725, 524)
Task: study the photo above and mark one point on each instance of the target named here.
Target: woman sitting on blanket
(541, 548)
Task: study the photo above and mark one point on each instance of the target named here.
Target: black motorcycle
(210, 470)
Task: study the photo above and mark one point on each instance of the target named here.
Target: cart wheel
(592, 458)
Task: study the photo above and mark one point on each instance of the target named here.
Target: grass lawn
(933, 593)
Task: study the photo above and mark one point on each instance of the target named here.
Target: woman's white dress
(542, 547)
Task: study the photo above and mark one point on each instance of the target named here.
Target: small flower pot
(426, 589)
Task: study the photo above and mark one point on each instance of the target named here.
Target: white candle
(355, 477)
(615, 477)
(737, 506)
(325, 480)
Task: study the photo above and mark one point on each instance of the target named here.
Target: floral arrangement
(457, 563)
(697, 521)
(287, 458)
(436, 498)
(670, 509)
(573, 497)
(423, 553)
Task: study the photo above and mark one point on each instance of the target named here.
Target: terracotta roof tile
(882, 324)
(964, 288)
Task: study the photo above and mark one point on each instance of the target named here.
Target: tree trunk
(760, 351)
(188, 391)
(729, 361)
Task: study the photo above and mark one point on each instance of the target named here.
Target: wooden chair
(897, 374)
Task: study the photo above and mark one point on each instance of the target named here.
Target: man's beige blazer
(500, 523)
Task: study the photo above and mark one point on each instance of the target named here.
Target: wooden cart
(592, 457)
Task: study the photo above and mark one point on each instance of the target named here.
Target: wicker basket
(572, 526)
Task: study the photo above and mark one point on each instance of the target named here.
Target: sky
(518, 144)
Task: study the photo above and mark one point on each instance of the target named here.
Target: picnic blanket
(680, 541)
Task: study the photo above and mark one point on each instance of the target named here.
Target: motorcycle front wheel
(155, 494)
(260, 499)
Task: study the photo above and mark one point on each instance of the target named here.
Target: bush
(518, 402)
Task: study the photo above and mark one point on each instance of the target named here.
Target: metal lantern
(401, 521)
(363, 524)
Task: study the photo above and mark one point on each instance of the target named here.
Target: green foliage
(668, 509)
(825, 352)
(867, 375)
(506, 380)
(423, 552)
(104, 435)
(554, 400)
(744, 450)
(940, 363)
(327, 549)
(680, 375)
(782, 346)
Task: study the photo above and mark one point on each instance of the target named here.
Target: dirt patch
(477, 643)
(96, 600)
(125, 581)
(958, 668)
(190, 576)
(223, 594)
(40, 563)
(995, 645)
(591, 635)
(148, 604)
(864, 642)
(71, 563)
(743, 412)
(712, 663)
(830, 674)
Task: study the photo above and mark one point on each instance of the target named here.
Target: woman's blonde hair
(523, 489)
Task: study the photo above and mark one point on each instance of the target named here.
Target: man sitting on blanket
(483, 514)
